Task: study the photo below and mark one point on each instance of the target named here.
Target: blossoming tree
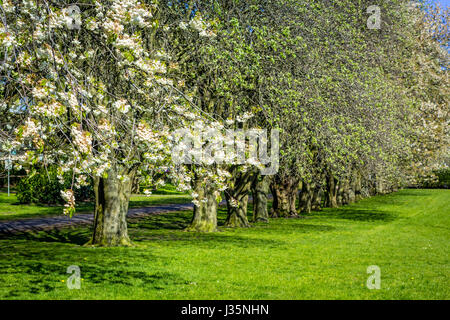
(92, 83)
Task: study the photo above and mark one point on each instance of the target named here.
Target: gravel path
(39, 224)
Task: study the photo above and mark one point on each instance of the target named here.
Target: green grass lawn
(11, 209)
(406, 234)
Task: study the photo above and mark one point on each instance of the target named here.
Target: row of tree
(98, 89)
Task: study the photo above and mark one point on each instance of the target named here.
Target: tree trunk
(238, 192)
(237, 216)
(274, 198)
(372, 183)
(112, 196)
(292, 200)
(260, 189)
(339, 193)
(317, 198)
(135, 187)
(331, 200)
(205, 213)
(346, 192)
(285, 192)
(305, 198)
(357, 186)
(380, 186)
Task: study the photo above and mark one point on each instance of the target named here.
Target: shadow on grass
(157, 280)
(209, 240)
(168, 227)
(149, 203)
(71, 235)
(46, 275)
(168, 221)
(356, 214)
(178, 220)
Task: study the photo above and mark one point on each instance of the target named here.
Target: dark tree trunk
(135, 187)
(305, 201)
(317, 198)
(357, 186)
(331, 199)
(345, 192)
(372, 183)
(237, 216)
(310, 198)
(293, 193)
(112, 196)
(285, 193)
(205, 213)
(260, 190)
(274, 198)
(339, 193)
(380, 185)
(239, 190)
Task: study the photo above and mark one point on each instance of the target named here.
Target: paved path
(39, 224)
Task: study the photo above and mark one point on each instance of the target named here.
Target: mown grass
(325, 256)
(11, 209)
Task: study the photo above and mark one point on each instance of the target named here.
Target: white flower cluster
(8, 6)
(202, 27)
(122, 105)
(128, 42)
(50, 110)
(233, 202)
(91, 24)
(114, 27)
(81, 139)
(80, 181)
(144, 133)
(7, 40)
(246, 116)
(105, 128)
(102, 168)
(69, 197)
(30, 129)
(199, 25)
(39, 93)
(183, 25)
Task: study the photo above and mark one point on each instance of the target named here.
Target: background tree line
(360, 111)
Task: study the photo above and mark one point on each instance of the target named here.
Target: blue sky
(445, 3)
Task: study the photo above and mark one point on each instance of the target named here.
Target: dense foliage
(43, 186)
(359, 110)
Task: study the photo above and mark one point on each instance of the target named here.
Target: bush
(43, 187)
(444, 178)
(439, 179)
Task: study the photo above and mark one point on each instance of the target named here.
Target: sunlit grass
(406, 234)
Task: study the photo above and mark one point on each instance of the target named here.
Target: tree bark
(339, 193)
(317, 198)
(112, 196)
(372, 184)
(331, 200)
(237, 216)
(239, 190)
(357, 186)
(346, 192)
(380, 187)
(305, 201)
(135, 187)
(260, 190)
(285, 193)
(205, 213)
